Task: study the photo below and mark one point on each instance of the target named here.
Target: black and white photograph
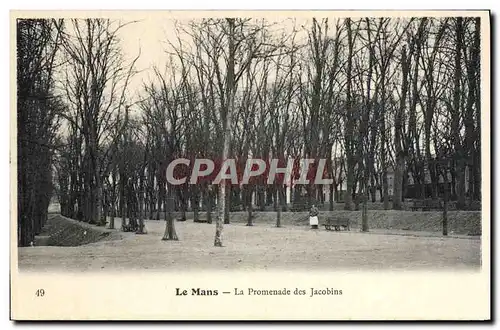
(167, 143)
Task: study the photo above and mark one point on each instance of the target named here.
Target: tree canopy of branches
(378, 98)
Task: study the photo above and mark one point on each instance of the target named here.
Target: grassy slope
(63, 231)
(459, 222)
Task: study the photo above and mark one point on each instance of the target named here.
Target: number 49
(40, 292)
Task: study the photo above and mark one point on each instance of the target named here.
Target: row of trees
(367, 94)
(38, 110)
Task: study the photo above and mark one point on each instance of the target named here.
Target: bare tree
(95, 85)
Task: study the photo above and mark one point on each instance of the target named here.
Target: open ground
(259, 247)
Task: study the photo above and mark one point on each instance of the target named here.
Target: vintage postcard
(250, 165)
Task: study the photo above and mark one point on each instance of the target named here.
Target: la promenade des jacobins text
(310, 292)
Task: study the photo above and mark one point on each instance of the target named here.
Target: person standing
(313, 217)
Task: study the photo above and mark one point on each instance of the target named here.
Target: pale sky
(151, 32)
(148, 35)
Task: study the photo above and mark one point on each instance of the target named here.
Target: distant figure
(313, 217)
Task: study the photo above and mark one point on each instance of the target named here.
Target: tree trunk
(112, 219)
(330, 197)
(151, 189)
(398, 134)
(141, 204)
(445, 204)
(112, 201)
(383, 141)
(161, 198)
(456, 115)
(227, 130)
(249, 205)
(123, 202)
(220, 215)
(283, 198)
(277, 202)
(183, 202)
(105, 210)
(227, 207)
(261, 198)
(429, 114)
(413, 138)
(364, 209)
(170, 233)
(472, 134)
(476, 154)
(349, 150)
(209, 200)
(195, 202)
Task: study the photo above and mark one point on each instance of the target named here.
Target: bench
(426, 205)
(337, 224)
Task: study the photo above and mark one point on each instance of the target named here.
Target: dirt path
(258, 247)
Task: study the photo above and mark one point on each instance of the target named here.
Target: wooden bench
(426, 205)
(337, 224)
